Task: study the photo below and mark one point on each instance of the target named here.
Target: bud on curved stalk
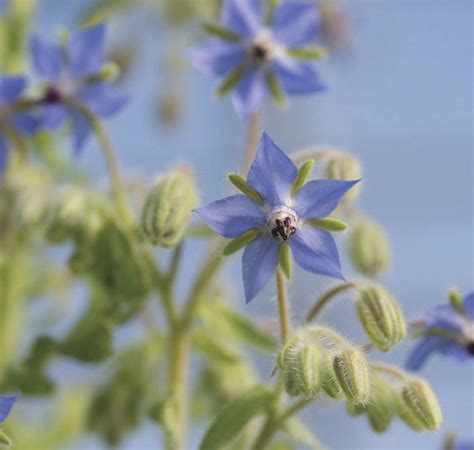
(329, 382)
(352, 372)
(168, 208)
(369, 248)
(382, 404)
(344, 166)
(381, 317)
(418, 405)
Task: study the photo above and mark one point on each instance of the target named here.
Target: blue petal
(465, 444)
(272, 173)
(315, 250)
(48, 59)
(81, 130)
(102, 99)
(11, 88)
(250, 94)
(244, 17)
(3, 156)
(445, 316)
(259, 261)
(318, 198)
(216, 57)
(86, 51)
(6, 404)
(25, 122)
(295, 77)
(295, 23)
(469, 305)
(232, 216)
(52, 116)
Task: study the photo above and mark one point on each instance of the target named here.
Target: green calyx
(236, 244)
(241, 184)
(5, 441)
(456, 300)
(278, 95)
(301, 177)
(328, 224)
(221, 32)
(230, 81)
(311, 52)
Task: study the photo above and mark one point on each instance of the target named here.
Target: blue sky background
(402, 102)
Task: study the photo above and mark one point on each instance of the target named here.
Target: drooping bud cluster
(167, 209)
(381, 317)
(344, 166)
(381, 407)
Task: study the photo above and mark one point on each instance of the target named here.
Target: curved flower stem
(327, 297)
(390, 370)
(255, 126)
(282, 304)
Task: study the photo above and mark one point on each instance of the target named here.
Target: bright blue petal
(424, 349)
(216, 57)
(81, 130)
(6, 404)
(11, 88)
(468, 305)
(315, 250)
(86, 51)
(244, 17)
(259, 261)
(250, 94)
(102, 99)
(48, 59)
(52, 116)
(24, 122)
(272, 173)
(3, 156)
(318, 198)
(445, 316)
(295, 23)
(295, 77)
(232, 216)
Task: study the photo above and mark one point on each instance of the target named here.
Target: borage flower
(279, 212)
(6, 404)
(12, 121)
(447, 329)
(75, 73)
(262, 52)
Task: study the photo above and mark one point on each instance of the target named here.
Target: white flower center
(263, 48)
(282, 222)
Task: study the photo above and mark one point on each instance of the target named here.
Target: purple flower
(73, 72)
(11, 88)
(259, 59)
(6, 404)
(447, 331)
(279, 218)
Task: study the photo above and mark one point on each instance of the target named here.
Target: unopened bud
(5, 441)
(352, 372)
(369, 248)
(355, 409)
(329, 382)
(382, 404)
(168, 208)
(381, 317)
(344, 166)
(418, 406)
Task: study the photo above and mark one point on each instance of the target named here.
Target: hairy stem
(390, 370)
(282, 305)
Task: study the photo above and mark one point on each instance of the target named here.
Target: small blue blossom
(447, 331)
(6, 404)
(73, 72)
(23, 122)
(261, 51)
(280, 218)
(464, 444)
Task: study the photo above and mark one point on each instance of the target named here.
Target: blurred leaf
(213, 348)
(102, 10)
(300, 432)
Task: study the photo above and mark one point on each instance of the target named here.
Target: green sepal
(456, 300)
(5, 441)
(241, 184)
(236, 244)
(285, 260)
(303, 173)
(328, 224)
(276, 91)
(230, 82)
(222, 32)
(311, 52)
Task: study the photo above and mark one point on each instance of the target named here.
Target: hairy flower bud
(168, 208)
(369, 248)
(418, 406)
(352, 372)
(381, 317)
(344, 166)
(329, 382)
(382, 404)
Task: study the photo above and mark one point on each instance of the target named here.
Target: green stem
(390, 370)
(327, 297)
(253, 136)
(282, 305)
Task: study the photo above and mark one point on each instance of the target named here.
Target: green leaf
(327, 224)
(300, 432)
(285, 260)
(5, 441)
(222, 32)
(277, 92)
(241, 184)
(303, 173)
(230, 82)
(235, 416)
(214, 348)
(236, 244)
(312, 52)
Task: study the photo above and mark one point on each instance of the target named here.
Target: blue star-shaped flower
(23, 122)
(447, 331)
(72, 72)
(6, 404)
(279, 218)
(261, 55)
